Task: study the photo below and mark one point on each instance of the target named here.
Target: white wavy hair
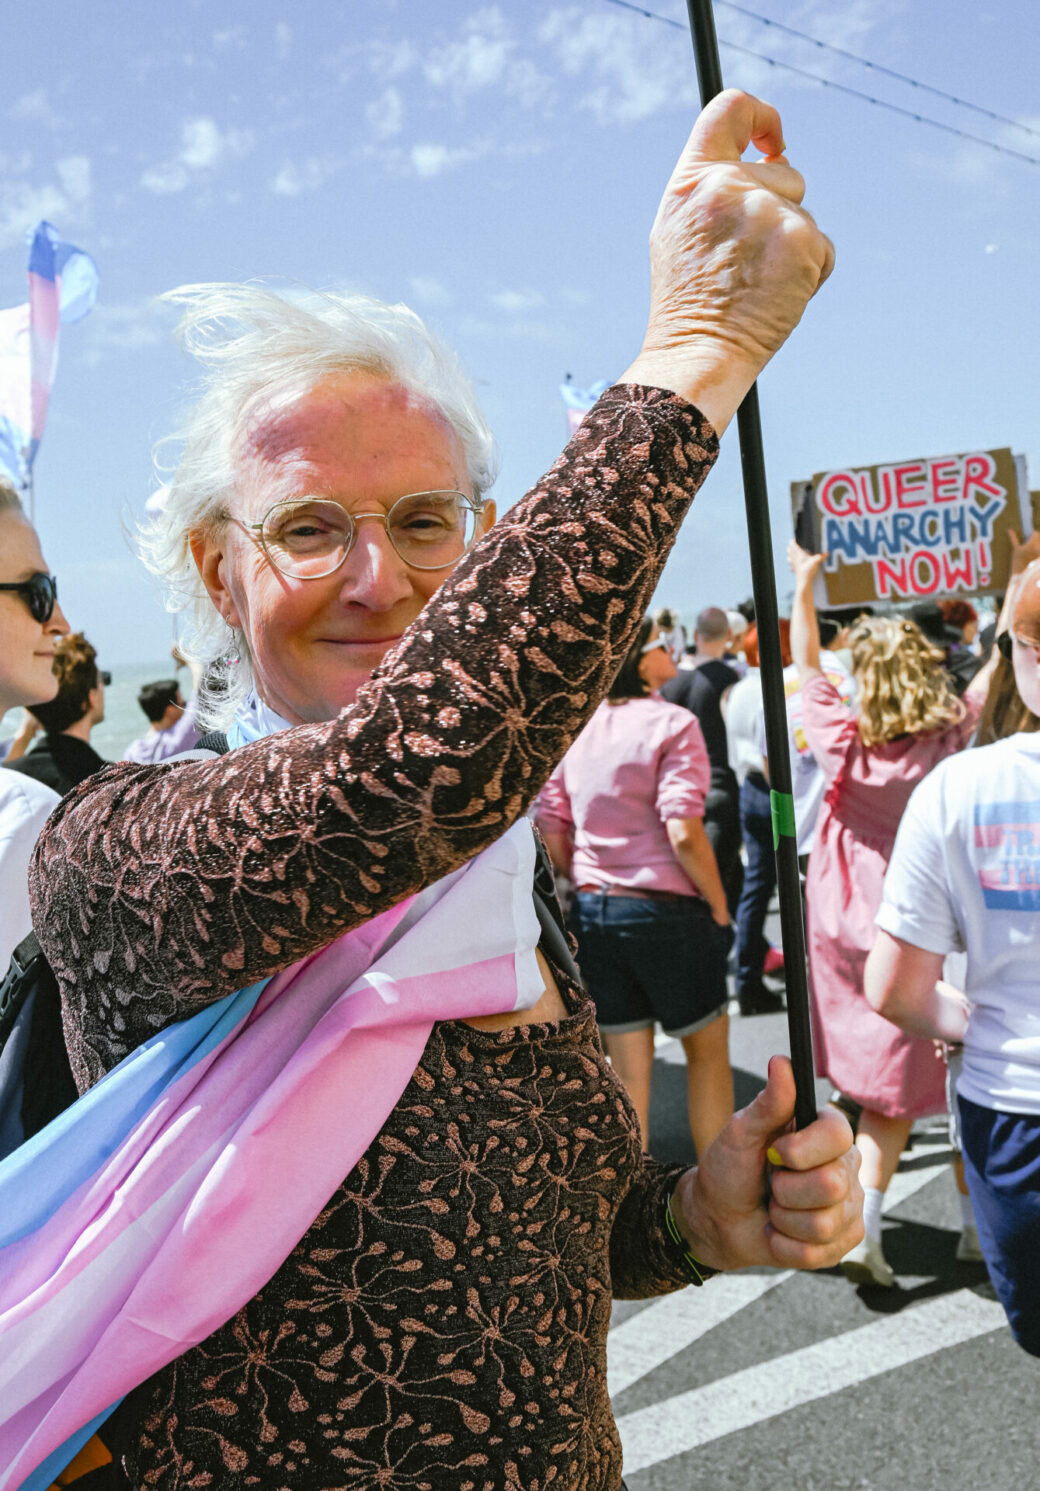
(257, 345)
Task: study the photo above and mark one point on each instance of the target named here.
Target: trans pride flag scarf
(148, 1213)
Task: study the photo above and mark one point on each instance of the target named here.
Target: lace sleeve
(643, 1259)
(157, 889)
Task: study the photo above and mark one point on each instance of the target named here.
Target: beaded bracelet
(697, 1271)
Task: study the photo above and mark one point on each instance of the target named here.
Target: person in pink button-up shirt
(623, 816)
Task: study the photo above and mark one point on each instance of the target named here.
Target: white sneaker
(866, 1264)
(969, 1249)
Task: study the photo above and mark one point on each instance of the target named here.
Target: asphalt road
(762, 1380)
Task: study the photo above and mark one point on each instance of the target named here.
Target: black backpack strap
(215, 741)
(49, 1087)
(15, 986)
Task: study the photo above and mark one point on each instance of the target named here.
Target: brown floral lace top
(443, 1323)
(463, 1270)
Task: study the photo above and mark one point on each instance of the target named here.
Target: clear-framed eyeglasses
(310, 537)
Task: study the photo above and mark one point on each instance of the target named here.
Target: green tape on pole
(781, 805)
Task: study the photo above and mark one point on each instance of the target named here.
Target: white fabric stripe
(682, 1423)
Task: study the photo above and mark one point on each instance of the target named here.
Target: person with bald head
(702, 686)
(965, 875)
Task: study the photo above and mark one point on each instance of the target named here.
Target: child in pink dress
(909, 719)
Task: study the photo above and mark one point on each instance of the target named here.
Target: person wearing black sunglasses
(30, 624)
(65, 757)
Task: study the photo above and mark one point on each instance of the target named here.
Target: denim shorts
(1002, 1168)
(647, 960)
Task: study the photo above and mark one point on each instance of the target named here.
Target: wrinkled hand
(734, 258)
(737, 1210)
(803, 564)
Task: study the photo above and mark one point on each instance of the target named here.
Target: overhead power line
(824, 82)
(879, 67)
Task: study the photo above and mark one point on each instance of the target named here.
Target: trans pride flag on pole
(578, 401)
(63, 284)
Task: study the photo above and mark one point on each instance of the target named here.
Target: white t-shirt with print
(965, 874)
(742, 710)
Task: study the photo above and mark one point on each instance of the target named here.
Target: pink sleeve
(684, 774)
(552, 811)
(829, 727)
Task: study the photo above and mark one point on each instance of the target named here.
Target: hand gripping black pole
(760, 548)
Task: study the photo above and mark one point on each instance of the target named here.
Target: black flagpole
(760, 548)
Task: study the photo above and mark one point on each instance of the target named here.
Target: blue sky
(498, 167)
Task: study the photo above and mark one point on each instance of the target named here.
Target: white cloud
(121, 328)
(634, 69)
(230, 37)
(846, 24)
(429, 290)
(391, 60)
(991, 248)
(526, 83)
(74, 175)
(165, 178)
(431, 160)
(485, 56)
(515, 302)
(386, 114)
(24, 203)
(204, 146)
(295, 178)
(22, 206)
(34, 108)
(283, 39)
(475, 62)
(522, 328)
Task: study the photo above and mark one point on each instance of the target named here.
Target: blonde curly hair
(903, 688)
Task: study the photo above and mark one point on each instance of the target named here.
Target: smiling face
(26, 645)
(363, 442)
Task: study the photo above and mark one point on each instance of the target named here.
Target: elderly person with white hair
(397, 678)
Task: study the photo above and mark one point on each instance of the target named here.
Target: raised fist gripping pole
(760, 547)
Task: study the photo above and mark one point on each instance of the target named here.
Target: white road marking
(674, 1322)
(681, 1423)
(905, 1182)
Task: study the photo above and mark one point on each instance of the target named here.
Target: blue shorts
(1002, 1168)
(648, 960)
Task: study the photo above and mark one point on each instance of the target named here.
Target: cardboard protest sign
(931, 527)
